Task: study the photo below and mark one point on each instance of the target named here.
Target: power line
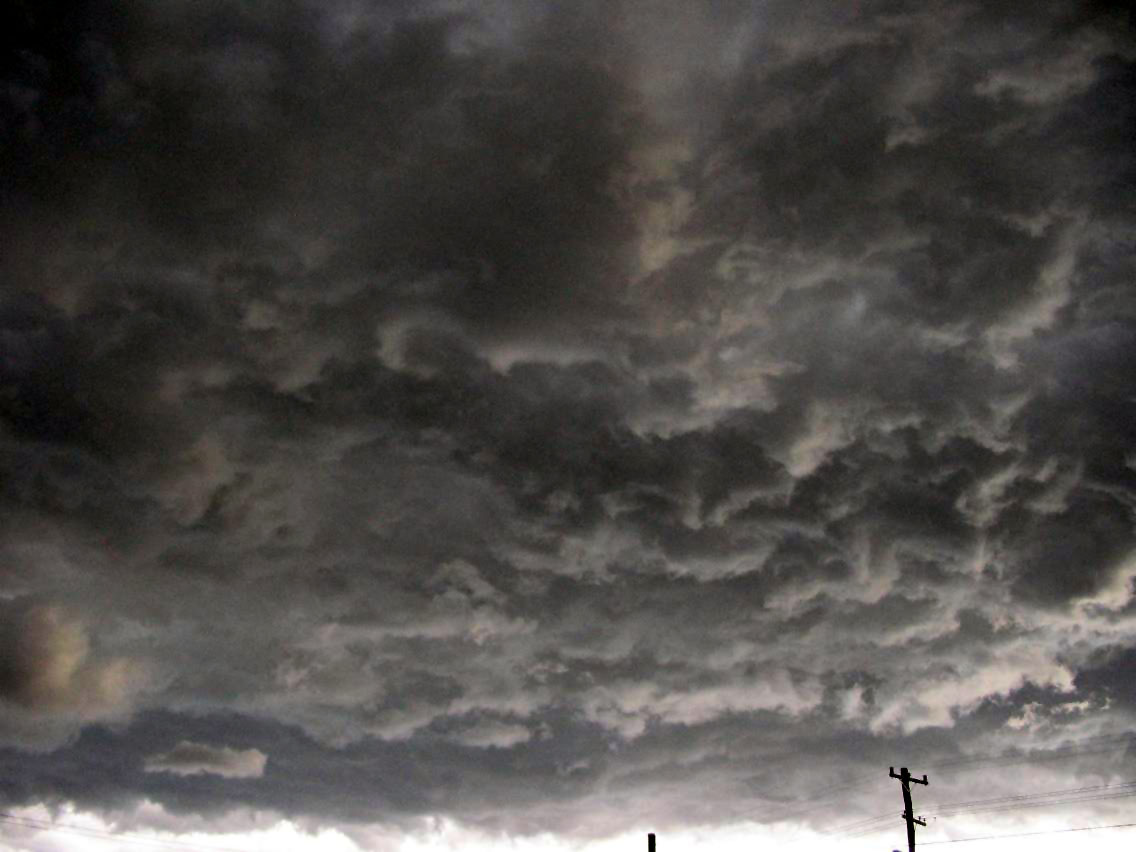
(1089, 746)
(1105, 744)
(96, 834)
(858, 825)
(1033, 833)
(1026, 805)
(1003, 803)
(1042, 794)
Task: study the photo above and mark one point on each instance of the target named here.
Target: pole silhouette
(905, 782)
(651, 842)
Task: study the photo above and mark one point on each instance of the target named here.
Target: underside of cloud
(541, 415)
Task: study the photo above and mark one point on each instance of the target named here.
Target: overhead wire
(877, 823)
(1028, 805)
(1047, 798)
(96, 834)
(1067, 791)
(1028, 833)
(1089, 746)
(874, 828)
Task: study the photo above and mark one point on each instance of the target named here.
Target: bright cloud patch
(189, 758)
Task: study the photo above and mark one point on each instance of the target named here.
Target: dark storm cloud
(471, 410)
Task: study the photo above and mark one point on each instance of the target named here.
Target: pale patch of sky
(1048, 833)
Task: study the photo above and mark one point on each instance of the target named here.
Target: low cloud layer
(552, 417)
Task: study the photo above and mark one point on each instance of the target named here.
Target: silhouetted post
(651, 842)
(905, 782)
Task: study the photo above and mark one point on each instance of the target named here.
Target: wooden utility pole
(905, 782)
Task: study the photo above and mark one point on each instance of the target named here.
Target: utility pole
(651, 842)
(905, 782)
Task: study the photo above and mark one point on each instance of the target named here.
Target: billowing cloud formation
(189, 758)
(50, 680)
(550, 416)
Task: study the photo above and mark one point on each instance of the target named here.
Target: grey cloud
(480, 408)
(493, 734)
(52, 679)
(189, 758)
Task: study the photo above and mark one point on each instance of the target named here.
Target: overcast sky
(549, 421)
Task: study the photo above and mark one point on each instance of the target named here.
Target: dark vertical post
(905, 782)
(651, 842)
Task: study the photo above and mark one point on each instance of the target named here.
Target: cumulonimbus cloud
(555, 399)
